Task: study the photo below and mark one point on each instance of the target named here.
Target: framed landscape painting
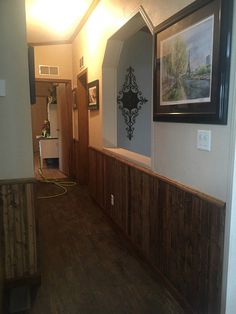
(192, 65)
(186, 65)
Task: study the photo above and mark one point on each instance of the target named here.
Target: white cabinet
(48, 148)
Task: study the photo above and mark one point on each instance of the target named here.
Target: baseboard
(34, 280)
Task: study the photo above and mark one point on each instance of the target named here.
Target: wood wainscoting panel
(2, 262)
(116, 186)
(19, 230)
(96, 176)
(190, 246)
(75, 159)
(141, 202)
(178, 230)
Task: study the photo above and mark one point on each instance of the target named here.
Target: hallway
(86, 266)
(48, 171)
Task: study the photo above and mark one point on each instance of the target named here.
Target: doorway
(52, 128)
(81, 133)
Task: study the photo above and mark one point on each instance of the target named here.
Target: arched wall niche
(111, 60)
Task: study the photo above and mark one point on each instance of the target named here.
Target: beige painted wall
(174, 145)
(16, 154)
(54, 55)
(177, 156)
(91, 42)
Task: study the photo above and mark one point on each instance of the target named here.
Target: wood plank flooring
(87, 267)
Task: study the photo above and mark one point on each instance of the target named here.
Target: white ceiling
(53, 20)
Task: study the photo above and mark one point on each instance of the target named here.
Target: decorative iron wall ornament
(130, 101)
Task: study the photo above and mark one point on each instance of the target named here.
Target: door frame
(82, 144)
(67, 82)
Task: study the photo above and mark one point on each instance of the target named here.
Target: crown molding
(76, 31)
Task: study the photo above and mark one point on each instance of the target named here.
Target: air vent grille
(48, 70)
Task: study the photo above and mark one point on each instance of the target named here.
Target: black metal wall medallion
(130, 101)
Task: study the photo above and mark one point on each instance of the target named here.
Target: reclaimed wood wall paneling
(178, 230)
(19, 234)
(2, 262)
(96, 177)
(116, 184)
(75, 159)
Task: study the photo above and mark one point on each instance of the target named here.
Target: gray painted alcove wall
(109, 74)
(137, 53)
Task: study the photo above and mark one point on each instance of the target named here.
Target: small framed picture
(93, 95)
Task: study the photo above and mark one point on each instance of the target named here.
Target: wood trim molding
(18, 181)
(83, 71)
(52, 80)
(84, 19)
(51, 43)
(83, 129)
(34, 280)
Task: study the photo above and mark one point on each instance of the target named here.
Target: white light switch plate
(2, 88)
(204, 140)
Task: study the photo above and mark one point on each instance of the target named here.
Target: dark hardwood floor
(87, 267)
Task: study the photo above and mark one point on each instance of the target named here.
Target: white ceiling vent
(48, 70)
